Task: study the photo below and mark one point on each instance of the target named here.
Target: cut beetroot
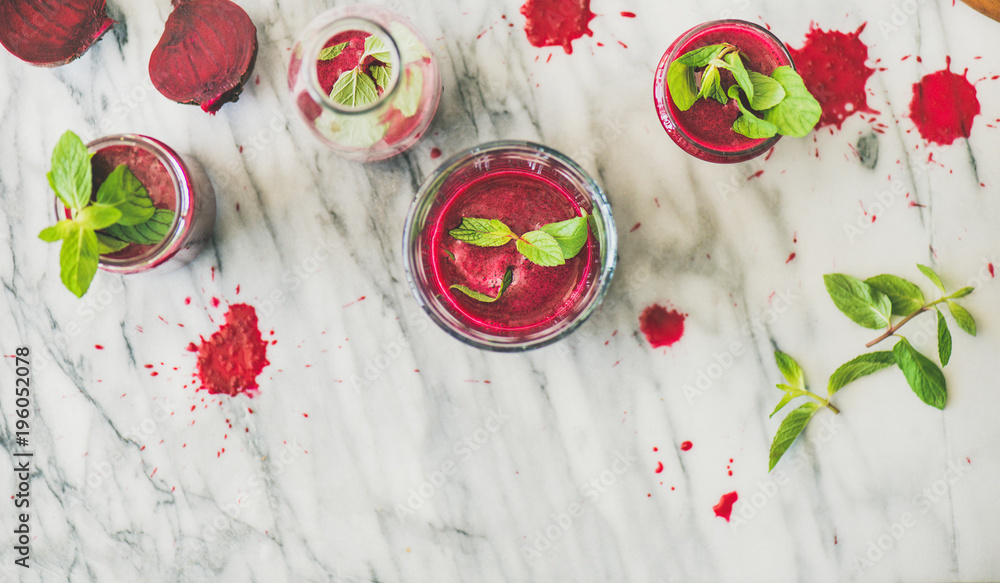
(206, 53)
(49, 33)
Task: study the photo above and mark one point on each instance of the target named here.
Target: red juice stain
(148, 366)
(628, 14)
(756, 174)
(237, 289)
(435, 153)
(659, 467)
(943, 106)
(215, 302)
(656, 449)
(990, 266)
(192, 347)
(661, 327)
(637, 225)
(553, 23)
(99, 347)
(686, 446)
(724, 508)
(229, 361)
(792, 256)
(832, 64)
(187, 301)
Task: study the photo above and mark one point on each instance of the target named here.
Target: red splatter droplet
(237, 289)
(656, 449)
(99, 347)
(553, 23)
(192, 347)
(943, 106)
(435, 153)
(215, 302)
(832, 65)
(637, 225)
(229, 361)
(659, 467)
(661, 327)
(990, 266)
(187, 301)
(790, 257)
(686, 446)
(148, 366)
(724, 508)
(628, 14)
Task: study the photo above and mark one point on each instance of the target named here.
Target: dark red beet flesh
(49, 33)
(206, 53)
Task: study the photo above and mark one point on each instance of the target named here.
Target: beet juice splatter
(724, 508)
(229, 361)
(832, 65)
(553, 23)
(943, 106)
(661, 327)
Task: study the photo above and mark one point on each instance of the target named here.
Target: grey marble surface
(380, 449)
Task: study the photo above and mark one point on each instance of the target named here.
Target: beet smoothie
(705, 130)
(537, 294)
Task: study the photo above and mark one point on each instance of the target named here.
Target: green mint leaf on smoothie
(508, 277)
(150, 232)
(963, 317)
(97, 216)
(70, 176)
(790, 429)
(905, 297)
(354, 89)
(861, 366)
(740, 74)
(766, 91)
(375, 47)
(709, 79)
(858, 301)
(540, 248)
(78, 260)
(482, 232)
(931, 275)
(682, 85)
(701, 57)
(944, 339)
(125, 192)
(571, 235)
(382, 74)
(799, 112)
(107, 244)
(332, 52)
(923, 376)
(748, 124)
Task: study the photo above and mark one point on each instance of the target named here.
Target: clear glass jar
(546, 173)
(705, 130)
(192, 200)
(399, 116)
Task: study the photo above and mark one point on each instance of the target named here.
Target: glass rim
(428, 191)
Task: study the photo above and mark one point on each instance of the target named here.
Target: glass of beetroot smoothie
(364, 82)
(525, 186)
(705, 130)
(174, 182)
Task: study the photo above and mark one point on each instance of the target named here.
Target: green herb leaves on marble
(548, 246)
(874, 303)
(779, 103)
(95, 227)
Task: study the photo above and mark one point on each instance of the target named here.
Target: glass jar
(176, 182)
(705, 130)
(408, 94)
(524, 185)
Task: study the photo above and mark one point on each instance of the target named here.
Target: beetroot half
(49, 33)
(206, 53)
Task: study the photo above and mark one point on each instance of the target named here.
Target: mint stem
(825, 402)
(892, 329)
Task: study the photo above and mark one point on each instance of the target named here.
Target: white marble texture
(130, 484)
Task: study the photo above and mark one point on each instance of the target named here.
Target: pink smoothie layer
(537, 295)
(148, 169)
(708, 122)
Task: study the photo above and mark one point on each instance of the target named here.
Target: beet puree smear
(556, 22)
(943, 106)
(231, 359)
(537, 295)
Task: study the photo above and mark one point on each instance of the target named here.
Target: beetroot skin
(49, 33)
(206, 53)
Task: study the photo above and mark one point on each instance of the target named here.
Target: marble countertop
(378, 448)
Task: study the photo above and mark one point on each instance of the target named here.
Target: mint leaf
(718, 94)
(375, 47)
(944, 339)
(149, 233)
(78, 260)
(962, 292)
(740, 74)
(332, 52)
(97, 216)
(382, 75)
(508, 277)
(799, 112)
(790, 429)
(58, 231)
(107, 244)
(853, 370)
(359, 131)
(858, 301)
(766, 91)
(408, 96)
(681, 83)
(923, 376)
(71, 173)
(354, 89)
(927, 271)
(748, 124)
(785, 399)
(541, 248)
(963, 317)
(906, 297)
(125, 192)
(570, 234)
(790, 370)
(700, 57)
(482, 232)
(709, 79)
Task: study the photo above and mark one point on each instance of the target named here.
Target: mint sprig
(97, 227)
(508, 278)
(549, 246)
(872, 303)
(358, 87)
(780, 101)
